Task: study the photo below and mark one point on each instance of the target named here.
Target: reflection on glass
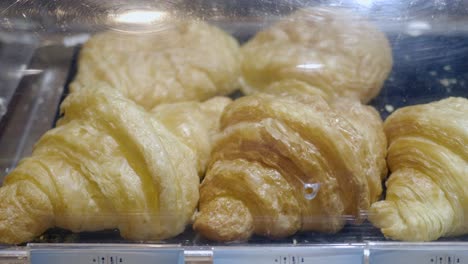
(367, 3)
(140, 17)
(311, 190)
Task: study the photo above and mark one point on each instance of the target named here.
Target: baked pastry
(283, 164)
(330, 49)
(194, 123)
(427, 191)
(108, 164)
(181, 61)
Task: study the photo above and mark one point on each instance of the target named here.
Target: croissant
(179, 61)
(275, 154)
(330, 49)
(109, 164)
(427, 191)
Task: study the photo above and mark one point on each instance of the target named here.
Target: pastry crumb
(389, 108)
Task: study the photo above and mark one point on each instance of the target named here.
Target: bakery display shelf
(362, 253)
(429, 64)
(427, 67)
(354, 244)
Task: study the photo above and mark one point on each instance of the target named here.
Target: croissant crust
(178, 61)
(427, 190)
(271, 148)
(110, 164)
(333, 51)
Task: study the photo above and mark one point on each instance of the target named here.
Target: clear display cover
(222, 128)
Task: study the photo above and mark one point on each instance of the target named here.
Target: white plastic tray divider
(418, 253)
(105, 253)
(292, 254)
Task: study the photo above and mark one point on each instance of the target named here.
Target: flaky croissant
(108, 164)
(275, 153)
(427, 191)
(329, 49)
(179, 61)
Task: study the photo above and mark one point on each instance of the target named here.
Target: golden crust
(427, 189)
(271, 147)
(184, 60)
(109, 164)
(330, 49)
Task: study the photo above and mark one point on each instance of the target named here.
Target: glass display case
(312, 65)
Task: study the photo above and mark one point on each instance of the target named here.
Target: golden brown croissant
(108, 164)
(427, 192)
(329, 49)
(275, 153)
(181, 61)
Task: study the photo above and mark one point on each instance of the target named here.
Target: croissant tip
(225, 219)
